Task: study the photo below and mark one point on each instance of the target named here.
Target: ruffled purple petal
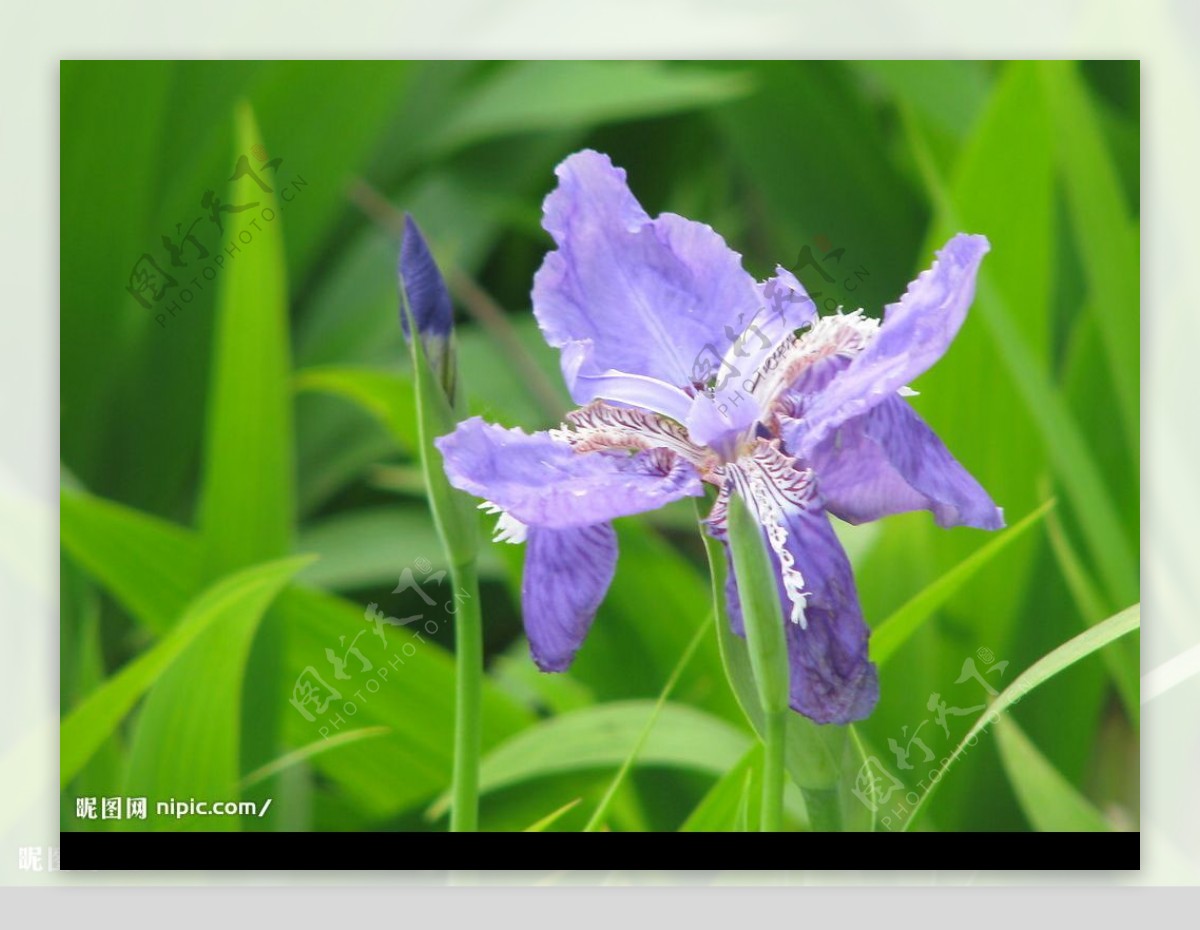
(567, 573)
(543, 482)
(832, 680)
(889, 461)
(915, 333)
(639, 296)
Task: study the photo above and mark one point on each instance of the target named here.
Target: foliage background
(269, 419)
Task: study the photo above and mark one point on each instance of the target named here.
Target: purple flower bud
(428, 302)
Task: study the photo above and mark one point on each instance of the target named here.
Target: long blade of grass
(597, 737)
(151, 566)
(1050, 802)
(601, 810)
(1107, 234)
(540, 826)
(313, 749)
(534, 95)
(386, 395)
(720, 809)
(1070, 457)
(1123, 660)
(1045, 668)
(247, 504)
(187, 742)
(896, 629)
(240, 598)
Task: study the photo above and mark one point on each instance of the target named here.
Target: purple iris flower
(691, 373)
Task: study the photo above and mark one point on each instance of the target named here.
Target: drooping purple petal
(567, 573)
(634, 295)
(831, 678)
(914, 334)
(428, 299)
(543, 482)
(889, 461)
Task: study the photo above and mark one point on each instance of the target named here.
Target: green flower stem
(763, 617)
(775, 739)
(468, 658)
(456, 520)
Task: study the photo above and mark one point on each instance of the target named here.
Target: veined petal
(889, 461)
(567, 573)
(831, 679)
(915, 333)
(637, 295)
(603, 426)
(544, 482)
(620, 386)
(738, 384)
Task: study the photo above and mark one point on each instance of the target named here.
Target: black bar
(370, 851)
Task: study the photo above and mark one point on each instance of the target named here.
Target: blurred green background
(269, 416)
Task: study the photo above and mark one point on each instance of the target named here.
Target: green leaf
(247, 501)
(1049, 801)
(112, 115)
(1076, 468)
(408, 688)
(600, 737)
(1045, 668)
(949, 93)
(313, 749)
(541, 95)
(895, 631)
(721, 809)
(238, 599)
(550, 819)
(826, 196)
(188, 734)
(601, 810)
(386, 395)
(1123, 660)
(363, 548)
(150, 566)
(1107, 234)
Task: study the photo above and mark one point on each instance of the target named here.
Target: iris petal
(543, 482)
(632, 294)
(915, 333)
(832, 679)
(889, 461)
(567, 573)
